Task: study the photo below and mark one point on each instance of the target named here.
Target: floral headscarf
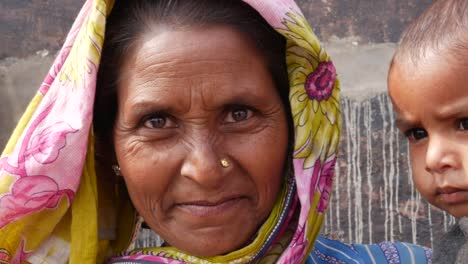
(48, 184)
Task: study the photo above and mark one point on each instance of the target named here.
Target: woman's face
(186, 101)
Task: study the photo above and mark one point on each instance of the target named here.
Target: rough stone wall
(373, 197)
(29, 26)
(373, 21)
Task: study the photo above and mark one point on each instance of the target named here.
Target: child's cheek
(423, 180)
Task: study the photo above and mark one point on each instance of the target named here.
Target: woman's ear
(106, 165)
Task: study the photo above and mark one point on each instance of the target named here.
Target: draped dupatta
(48, 183)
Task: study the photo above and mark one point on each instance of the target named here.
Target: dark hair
(441, 27)
(129, 20)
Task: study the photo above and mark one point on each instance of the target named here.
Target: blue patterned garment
(333, 251)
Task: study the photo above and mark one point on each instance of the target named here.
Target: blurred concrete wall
(27, 26)
(373, 198)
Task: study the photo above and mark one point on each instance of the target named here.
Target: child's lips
(451, 195)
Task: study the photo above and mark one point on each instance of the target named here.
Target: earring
(224, 163)
(116, 170)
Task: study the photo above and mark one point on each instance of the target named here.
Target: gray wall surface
(29, 26)
(374, 198)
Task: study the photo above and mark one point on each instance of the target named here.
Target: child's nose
(440, 155)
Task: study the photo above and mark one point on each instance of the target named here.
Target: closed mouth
(452, 195)
(210, 207)
(448, 190)
(210, 203)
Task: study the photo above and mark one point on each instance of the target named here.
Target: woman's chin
(211, 241)
(210, 230)
(209, 247)
(206, 252)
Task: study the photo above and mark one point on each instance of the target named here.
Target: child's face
(431, 103)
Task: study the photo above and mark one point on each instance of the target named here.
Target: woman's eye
(463, 124)
(416, 134)
(159, 122)
(238, 115)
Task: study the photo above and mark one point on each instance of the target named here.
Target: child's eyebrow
(455, 108)
(401, 122)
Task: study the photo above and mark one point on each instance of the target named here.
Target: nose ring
(116, 170)
(224, 163)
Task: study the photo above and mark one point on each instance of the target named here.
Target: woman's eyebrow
(145, 107)
(247, 98)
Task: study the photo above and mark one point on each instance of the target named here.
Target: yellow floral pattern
(41, 232)
(88, 45)
(315, 109)
(36, 220)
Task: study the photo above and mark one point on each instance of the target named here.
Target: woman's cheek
(264, 165)
(145, 169)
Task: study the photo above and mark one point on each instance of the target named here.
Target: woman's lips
(203, 208)
(452, 195)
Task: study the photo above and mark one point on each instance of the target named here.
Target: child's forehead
(404, 74)
(433, 67)
(435, 86)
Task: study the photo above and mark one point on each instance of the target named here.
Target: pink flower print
(319, 84)
(306, 180)
(325, 182)
(298, 246)
(30, 194)
(47, 83)
(160, 258)
(4, 256)
(46, 146)
(21, 254)
(274, 12)
(54, 70)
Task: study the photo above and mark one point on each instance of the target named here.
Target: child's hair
(442, 27)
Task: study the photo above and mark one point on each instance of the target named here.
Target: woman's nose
(440, 155)
(203, 166)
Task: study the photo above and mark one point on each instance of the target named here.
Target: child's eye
(463, 124)
(238, 114)
(416, 134)
(159, 121)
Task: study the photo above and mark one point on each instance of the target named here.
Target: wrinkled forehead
(211, 59)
